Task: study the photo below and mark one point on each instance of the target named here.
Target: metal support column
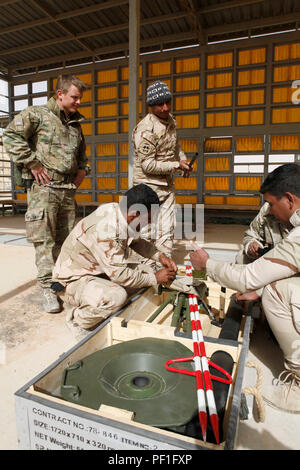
(134, 50)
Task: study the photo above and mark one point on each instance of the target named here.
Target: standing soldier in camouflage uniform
(264, 232)
(157, 157)
(98, 268)
(47, 145)
(274, 277)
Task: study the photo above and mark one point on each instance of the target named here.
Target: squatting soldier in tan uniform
(47, 145)
(264, 232)
(100, 261)
(158, 156)
(275, 277)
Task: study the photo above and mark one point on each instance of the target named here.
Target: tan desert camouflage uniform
(265, 230)
(157, 156)
(42, 134)
(276, 274)
(99, 266)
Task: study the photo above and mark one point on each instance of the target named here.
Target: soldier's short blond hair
(64, 83)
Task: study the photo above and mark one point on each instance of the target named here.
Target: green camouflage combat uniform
(264, 230)
(276, 277)
(157, 156)
(42, 134)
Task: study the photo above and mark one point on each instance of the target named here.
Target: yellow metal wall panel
(86, 184)
(250, 118)
(249, 97)
(284, 115)
(186, 199)
(247, 183)
(188, 65)
(217, 164)
(107, 76)
(106, 183)
(286, 73)
(124, 125)
(249, 144)
(123, 183)
(86, 111)
(187, 84)
(251, 77)
(104, 198)
(86, 128)
(189, 145)
(124, 108)
(243, 201)
(188, 121)
(219, 80)
(125, 72)
(85, 78)
(159, 68)
(86, 96)
(107, 93)
(218, 145)
(216, 61)
(252, 56)
(103, 150)
(185, 183)
(124, 147)
(83, 197)
(282, 94)
(218, 100)
(218, 119)
(107, 127)
(88, 150)
(216, 183)
(285, 142)
(123, 166)
(187, 102)
(124, 90)
(107, 110)
(106, 166)
(21, 196)
(218, 200)
(287, 52)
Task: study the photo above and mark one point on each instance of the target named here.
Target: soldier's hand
(185, 168)
(165, 275)
(167, 262)
(253, 249)
(199, 258)
(247, 296)
(79, 177)
(40, 175)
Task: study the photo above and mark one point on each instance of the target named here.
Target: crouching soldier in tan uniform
(275, 277)
(158, 156)
(264, 232)
(98, 267)
(47, 145)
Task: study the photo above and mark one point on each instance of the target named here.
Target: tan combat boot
(50, 301)
(284, 394)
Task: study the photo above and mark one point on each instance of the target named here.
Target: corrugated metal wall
(232, 106)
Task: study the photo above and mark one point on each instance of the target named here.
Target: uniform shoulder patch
(145, 147)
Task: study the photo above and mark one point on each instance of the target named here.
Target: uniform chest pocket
(35, 225)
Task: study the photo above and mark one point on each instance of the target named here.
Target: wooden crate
(46, 421)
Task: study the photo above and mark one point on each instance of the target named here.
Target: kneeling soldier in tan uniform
(158, 156)
(100, 261)
(275, 277)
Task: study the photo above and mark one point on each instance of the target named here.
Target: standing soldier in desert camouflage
(47, 145)
(157, 157)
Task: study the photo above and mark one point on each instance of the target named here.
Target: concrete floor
(30, 340)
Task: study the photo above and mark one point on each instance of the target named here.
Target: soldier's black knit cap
(158, 93)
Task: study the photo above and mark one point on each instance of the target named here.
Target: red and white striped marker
(201, 365)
